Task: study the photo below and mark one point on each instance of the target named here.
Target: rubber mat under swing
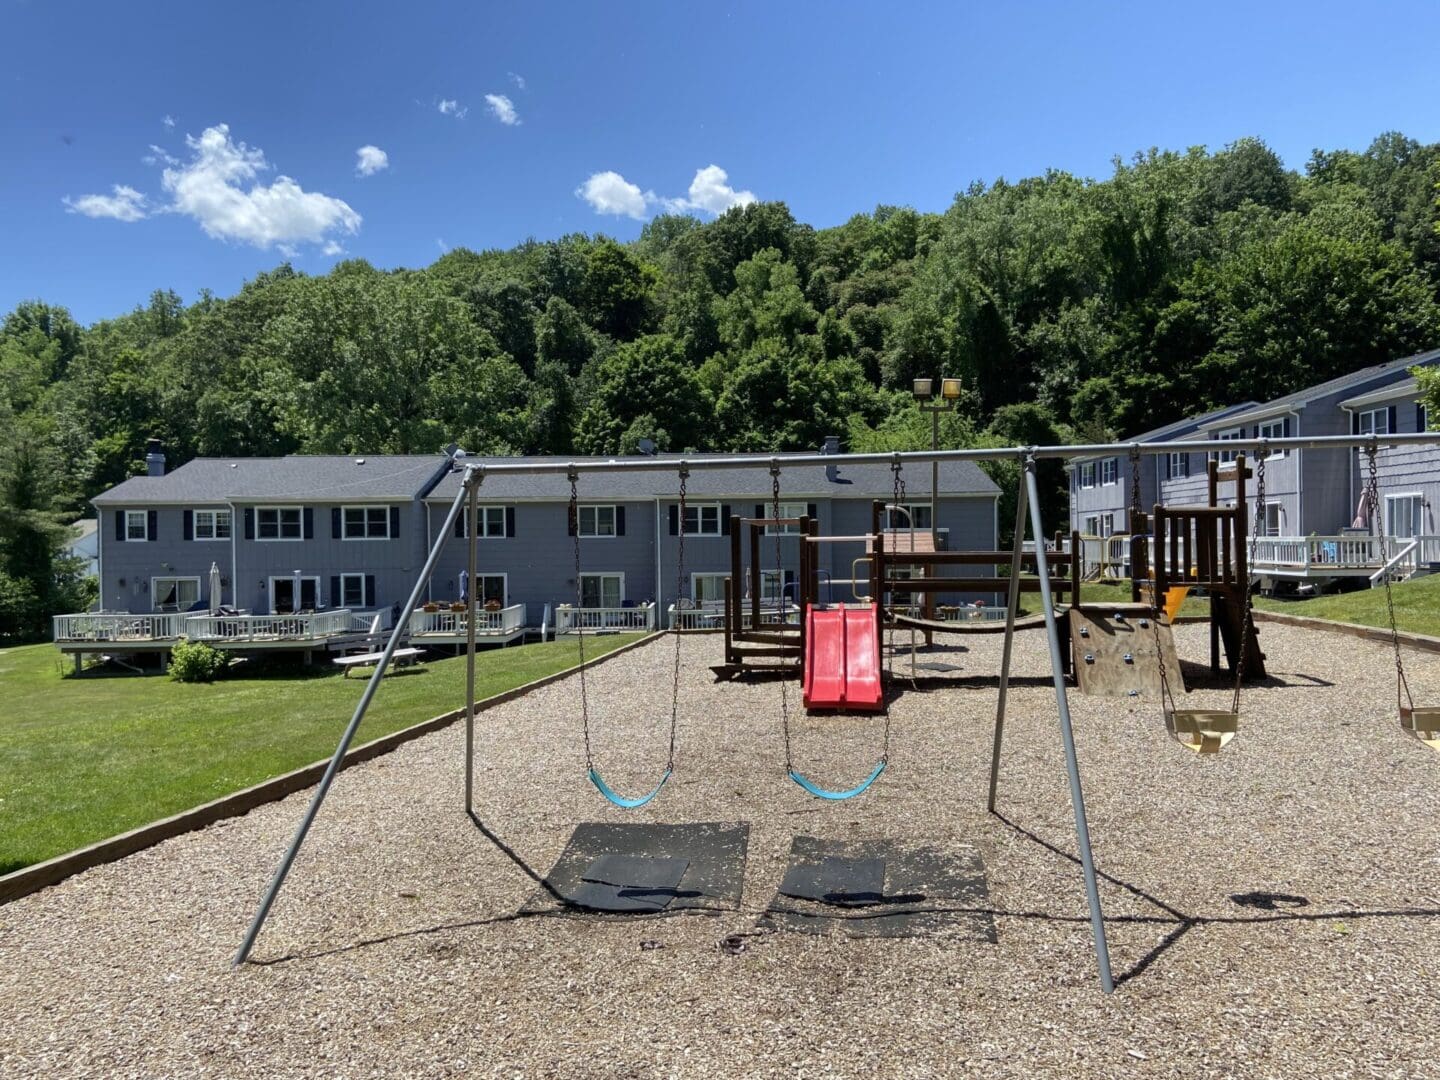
(882, 888)
(645, 869)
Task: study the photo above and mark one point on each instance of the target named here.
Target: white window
(772, 584)
(787, 510)
(708, 588)
(278, 523)
(602, 590)
(1177, 465)
(1107, 524)
(1404, 515)
(493, 589)
(1110, 471)
(490, 521)
(174, 593)
(1092, 525)
(1375, 422)
(352, 591)
(366, 523)
(137, 525)
(1087, 475)
(1274, 519)
(702, 519)
(212, 524)
(1227, 456)
(596, 521)
(910, 516)
(1274, 429)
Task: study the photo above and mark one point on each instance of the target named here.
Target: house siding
(129, 566)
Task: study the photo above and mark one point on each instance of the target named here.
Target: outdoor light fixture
(924, 389)
(950, 389)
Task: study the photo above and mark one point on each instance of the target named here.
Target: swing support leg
(472, 476)
(470, 532)
(1012, 608)
(1067, 735)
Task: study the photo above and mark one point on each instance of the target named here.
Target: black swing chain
(579, 601)
(679, 615)
(780, 575)
(1167, 695)
(1372, 500)
(1135, 510)
(1247, 617)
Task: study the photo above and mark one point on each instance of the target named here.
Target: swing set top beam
(672, 462)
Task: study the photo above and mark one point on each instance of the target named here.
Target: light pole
(924, 391)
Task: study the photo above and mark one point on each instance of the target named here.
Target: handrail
(116, 626)
(298, 627)
(1408, 549)
(569, 619)
(506, 620)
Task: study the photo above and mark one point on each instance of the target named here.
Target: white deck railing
(315, 626)
(505, 621)
(708, 616)
(569, 619)
(1321, 553)
(117, 626)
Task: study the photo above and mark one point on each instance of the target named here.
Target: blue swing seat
(815, 789)
(631, 804)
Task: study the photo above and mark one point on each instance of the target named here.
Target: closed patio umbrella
(464, 586)
(214, 587)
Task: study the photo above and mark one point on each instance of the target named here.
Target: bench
(400, 658)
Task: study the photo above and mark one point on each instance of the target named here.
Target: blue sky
(833, 108)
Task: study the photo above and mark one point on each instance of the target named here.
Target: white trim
(294, 599)
(230, 518)
(1251, 417)
(614, 521)
(339, 601)
(345, 525)
(696, 575)
(1403, 388)
(1418, 512)
(1279, 422)
(175, 578)
(300, 521)
(786, 505)
(699, 531)
(1093, 470)
(144, 516)
(580, 588)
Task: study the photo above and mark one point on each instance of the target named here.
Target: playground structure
(1211, 539)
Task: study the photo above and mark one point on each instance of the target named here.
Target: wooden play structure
(1185, 549)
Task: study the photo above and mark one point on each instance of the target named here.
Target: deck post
(1067, 735)
(1012, 605)
(472, 475)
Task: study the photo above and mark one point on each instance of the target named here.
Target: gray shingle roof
(1177, 428)
(1356, 380)
(796, 482)
(312, 477)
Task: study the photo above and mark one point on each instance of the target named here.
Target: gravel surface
(396, 948)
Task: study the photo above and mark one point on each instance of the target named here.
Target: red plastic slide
(842, 659)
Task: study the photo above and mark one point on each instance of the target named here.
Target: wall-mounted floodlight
(924, 389)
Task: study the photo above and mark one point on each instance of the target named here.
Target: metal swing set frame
(1027, 505)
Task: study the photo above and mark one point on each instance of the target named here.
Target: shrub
(194, 661)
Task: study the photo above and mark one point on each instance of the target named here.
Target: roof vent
(359, 461)
(831, 445)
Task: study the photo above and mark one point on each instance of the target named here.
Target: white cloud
(370, 159)
(126, 204)
(157, 155)
(610, 193)
(333, 247)
(451, 107)
(168, 121)
(209, 188)
(518, 80)
(440, 243)
(503, 109)
(711, 191)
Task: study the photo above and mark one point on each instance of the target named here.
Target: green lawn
(83, 758)
(1417, 606)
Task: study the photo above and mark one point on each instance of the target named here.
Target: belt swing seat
(791, 771)
(591, 770)
(1421, 722)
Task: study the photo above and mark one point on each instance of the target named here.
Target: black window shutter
(1286, 428)
(120, 525)
(674, 521)
(812, 511)
(1419, 416)
(1355, 423)
(151, 523)
(187, 524)
(725, 519)
(619, 521)
(335, 525)
(1392, 418)
(394, 522)
(460, 523)
(307, 518)
(335, 596)
(369, 590)
(759, 510)
(249, 523)
(510, 521)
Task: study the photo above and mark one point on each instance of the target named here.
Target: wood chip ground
(396, 948)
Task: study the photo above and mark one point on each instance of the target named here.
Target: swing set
(1200, 730)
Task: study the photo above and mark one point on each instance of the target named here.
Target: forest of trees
(1071, 308)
